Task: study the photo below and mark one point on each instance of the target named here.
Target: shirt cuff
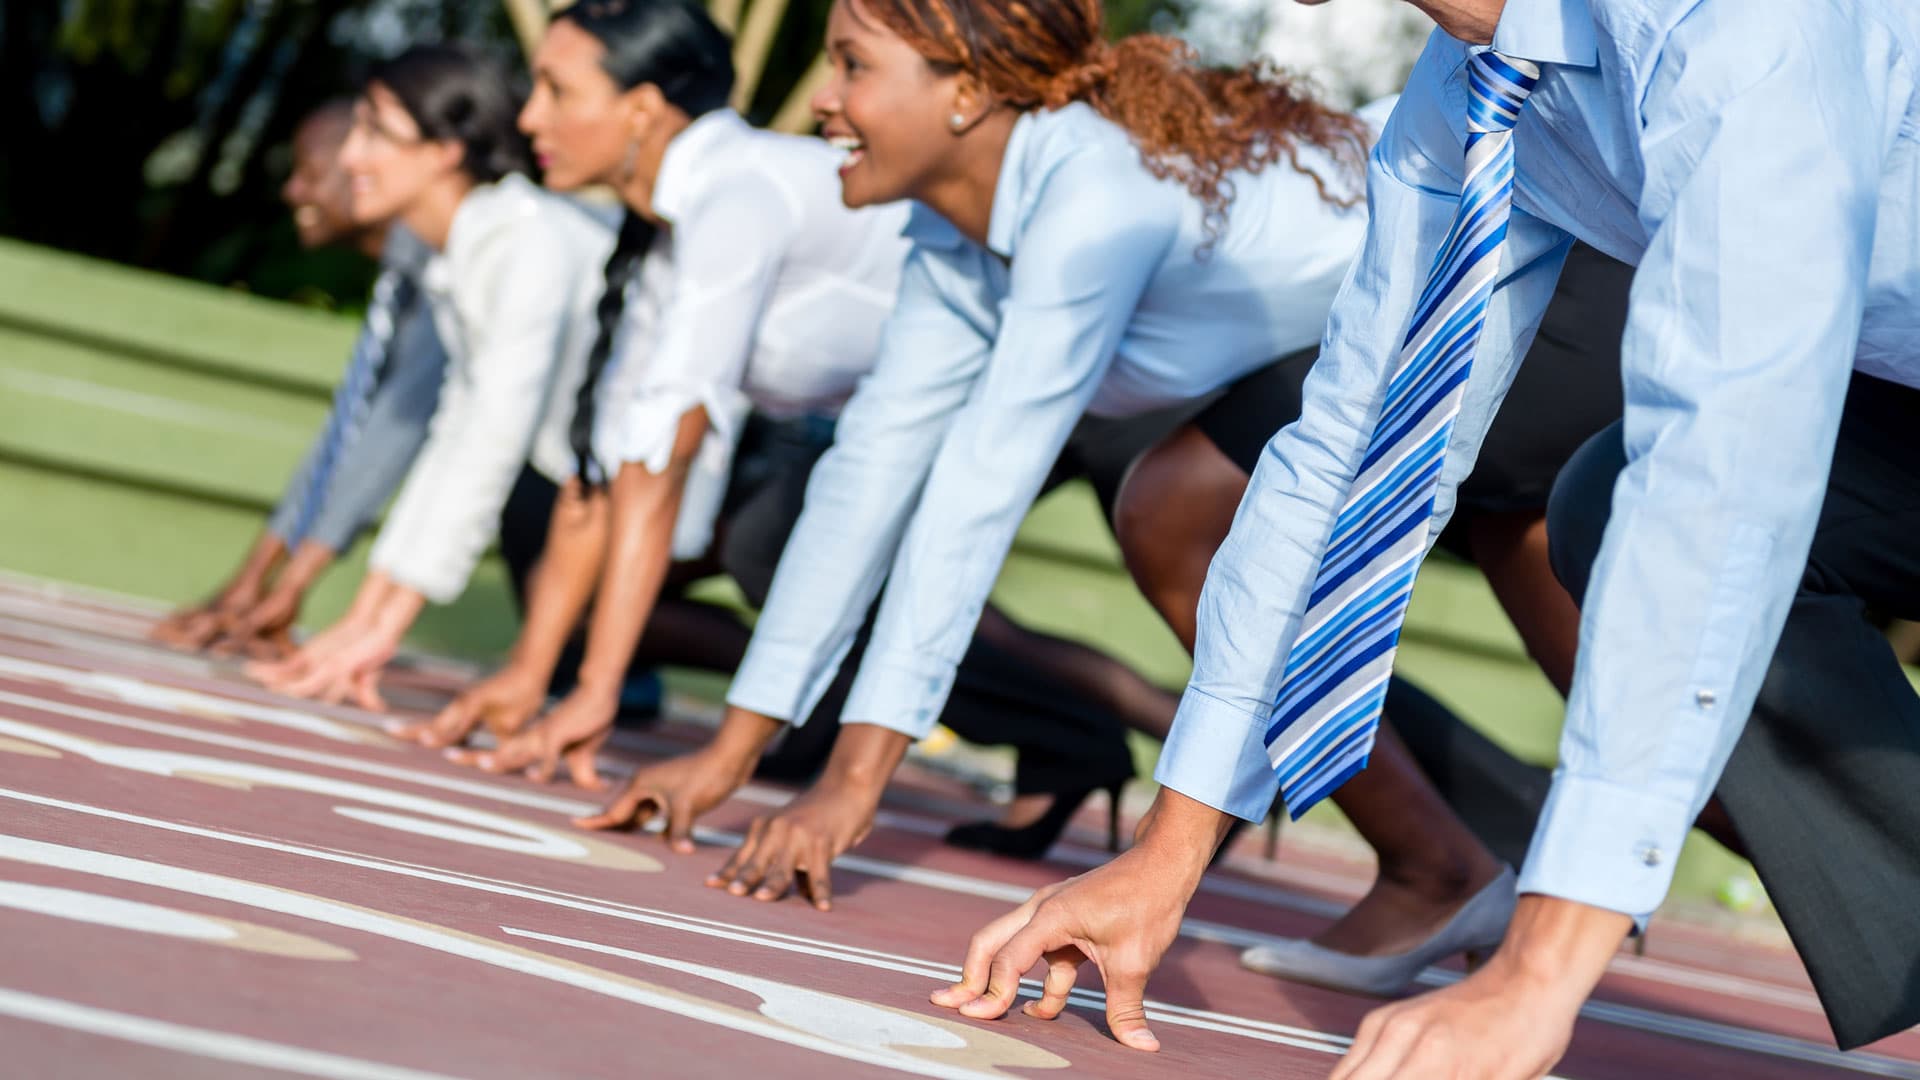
(1606, 846)
(441, 585)
(900, 692)
(1217, 755)
(780, 680)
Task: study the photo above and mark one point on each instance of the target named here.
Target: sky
(1355, 50)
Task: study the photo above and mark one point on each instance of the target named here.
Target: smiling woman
(1112, 234)
(1193, 124)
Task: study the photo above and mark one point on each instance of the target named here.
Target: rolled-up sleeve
(1761, 142)
(727, 254)
(859, 498)
(1095, 237)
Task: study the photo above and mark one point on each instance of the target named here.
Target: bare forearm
(646, 506)
(638, 554)
(742, 736)
(1183, 833)
(371, 598)
(261, 560)
(564, 580)
(398, 609)
(309, 561)
(1561, 946)
(864, 758)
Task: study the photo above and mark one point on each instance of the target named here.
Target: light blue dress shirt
(1758, 162)
(1097, 291)
(372, 466)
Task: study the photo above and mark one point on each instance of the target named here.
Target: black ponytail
(629, 252)
(673, 44)
(457, 94)
(676, 46)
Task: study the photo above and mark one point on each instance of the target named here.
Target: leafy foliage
(155, 132)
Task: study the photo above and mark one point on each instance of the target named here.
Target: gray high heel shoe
(1477, 927)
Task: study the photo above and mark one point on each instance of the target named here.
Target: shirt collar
(1010, 190)
(926, 228)
(1547, 32)
(685, 158)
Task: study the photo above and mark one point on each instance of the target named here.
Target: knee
(1172, 512)
(1579, 506)
(1142, 513)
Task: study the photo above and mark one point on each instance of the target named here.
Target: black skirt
(1567, 390)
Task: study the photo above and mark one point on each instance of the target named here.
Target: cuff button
(1651, 855)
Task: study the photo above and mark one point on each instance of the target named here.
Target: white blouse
(763, 291)
(513, 296)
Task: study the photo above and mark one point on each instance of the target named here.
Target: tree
(155, 132)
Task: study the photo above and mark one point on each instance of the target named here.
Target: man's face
(318, 191)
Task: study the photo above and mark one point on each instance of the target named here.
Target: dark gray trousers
(1824, 785)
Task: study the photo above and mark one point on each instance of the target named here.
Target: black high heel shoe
(1035, 840)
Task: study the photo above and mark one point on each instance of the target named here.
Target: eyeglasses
(367, 120)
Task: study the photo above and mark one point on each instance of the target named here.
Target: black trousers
(1067, 742)
(1824, 784)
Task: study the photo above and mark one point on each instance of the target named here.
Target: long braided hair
(623, 266)
(675, 45)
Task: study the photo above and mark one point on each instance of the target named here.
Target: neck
(1471, 21)
(431, 215)
(372, 242)
(637, 190)
(964, 195)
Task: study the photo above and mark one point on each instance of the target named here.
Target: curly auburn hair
(1192, 123)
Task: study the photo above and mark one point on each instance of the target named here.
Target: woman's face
(886, 108)
(389, 164)
(579, 119)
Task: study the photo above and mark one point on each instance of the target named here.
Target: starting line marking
(202, 1042)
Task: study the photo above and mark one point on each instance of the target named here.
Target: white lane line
(12, 581)
(854, 954)
(944, 881)
(200, 1042)
(1765, 993)
(477, 789)
(455, 943)
(1175, 1015)
(1702, 1031)
(162, 698)
(1727, 1035)
(99, 646)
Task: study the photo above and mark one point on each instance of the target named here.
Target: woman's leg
(1175, 509)
(1511, 550)
(1107, 682)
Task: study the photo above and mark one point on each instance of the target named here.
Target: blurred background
(167, 348)
(154, 132)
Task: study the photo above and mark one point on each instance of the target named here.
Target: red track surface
(198, 878)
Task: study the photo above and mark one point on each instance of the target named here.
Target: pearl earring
(958, 121)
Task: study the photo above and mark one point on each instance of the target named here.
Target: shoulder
(521, 219)
(1076, 132)
(1074, 162)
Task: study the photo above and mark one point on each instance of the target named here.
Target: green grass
(146, 424)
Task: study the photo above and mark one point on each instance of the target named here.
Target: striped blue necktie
(1336, 673)
(392, 294)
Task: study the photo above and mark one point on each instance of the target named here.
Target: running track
(201, 879)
